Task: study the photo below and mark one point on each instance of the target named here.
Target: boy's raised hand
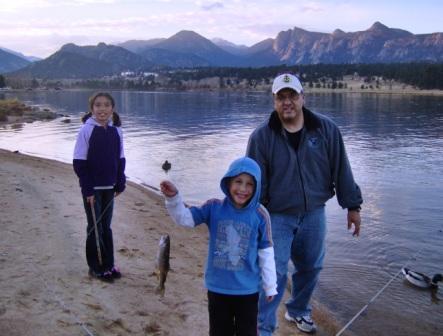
(168, 189)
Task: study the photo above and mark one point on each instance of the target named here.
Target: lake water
(394, 143)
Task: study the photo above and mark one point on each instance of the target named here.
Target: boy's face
(102, 109)
(241, 189)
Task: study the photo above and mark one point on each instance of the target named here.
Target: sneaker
(304, 323)
(115, 271)
(105, 276)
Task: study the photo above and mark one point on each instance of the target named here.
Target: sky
(41, 27)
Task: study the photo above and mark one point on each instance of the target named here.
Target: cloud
(312, 8)
(240, 22)
(215, 5)
(30, 27)
(17, 6)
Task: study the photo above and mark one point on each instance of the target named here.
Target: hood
(240, 166)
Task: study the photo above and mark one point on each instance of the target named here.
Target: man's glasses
(291, 95)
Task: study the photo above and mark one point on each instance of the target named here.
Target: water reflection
(394, 144)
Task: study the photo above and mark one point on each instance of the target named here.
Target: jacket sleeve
(121, 178)
(82, 171)
(268, 273)
(80, 162)
(266, 254)
(348, 192)
(256, 150)
(179, 213)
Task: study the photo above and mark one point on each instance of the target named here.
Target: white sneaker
(304, 323)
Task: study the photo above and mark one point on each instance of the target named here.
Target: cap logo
(286, 79)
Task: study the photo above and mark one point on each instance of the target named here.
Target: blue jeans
(301, 239)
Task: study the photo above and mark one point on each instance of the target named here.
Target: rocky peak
(378, 27)
(338, 33)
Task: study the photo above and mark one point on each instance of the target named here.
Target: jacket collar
(311, 121)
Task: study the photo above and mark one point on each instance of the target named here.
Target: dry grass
(16, 110)
(12, 107)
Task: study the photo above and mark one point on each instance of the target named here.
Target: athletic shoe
(105, 276)
(115, 271)
(304, 323)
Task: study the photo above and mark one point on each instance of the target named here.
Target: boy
(240, 251)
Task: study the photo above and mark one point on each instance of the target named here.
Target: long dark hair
(116, 120)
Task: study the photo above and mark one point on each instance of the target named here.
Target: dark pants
(231, 315)
(104, 200)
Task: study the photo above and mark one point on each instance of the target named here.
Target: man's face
(288, 104)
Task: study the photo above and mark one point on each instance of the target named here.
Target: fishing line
(377, 294)
(98, 222)
(101, 215)
(63, 305)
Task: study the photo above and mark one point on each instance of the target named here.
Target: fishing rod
(95, 228)
(102, 213)
(97, 239)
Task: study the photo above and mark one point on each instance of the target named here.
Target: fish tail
(160, 290)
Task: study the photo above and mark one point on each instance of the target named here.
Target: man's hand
(354, 218)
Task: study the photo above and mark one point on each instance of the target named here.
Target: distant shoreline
(408, 90)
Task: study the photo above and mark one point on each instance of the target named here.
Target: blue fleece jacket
(99, 160)
(235, 236)
(302, 180)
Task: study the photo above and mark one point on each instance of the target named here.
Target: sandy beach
(45, 285)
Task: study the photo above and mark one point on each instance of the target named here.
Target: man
(303, 163)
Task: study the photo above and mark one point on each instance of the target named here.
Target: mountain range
(9, 61)
(187, 49)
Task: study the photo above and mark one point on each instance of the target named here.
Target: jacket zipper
(299, 168)
(301, 179)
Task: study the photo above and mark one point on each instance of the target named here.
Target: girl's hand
(90, 199)
(168, 189)
(269, 298)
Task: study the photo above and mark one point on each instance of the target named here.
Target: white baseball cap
(286, 81)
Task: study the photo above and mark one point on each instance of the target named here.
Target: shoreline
(47, 291)
(353, 88)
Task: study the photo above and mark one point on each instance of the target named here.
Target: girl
(99, 163)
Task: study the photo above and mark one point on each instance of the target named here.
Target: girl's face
(102, 110)
(241, 189)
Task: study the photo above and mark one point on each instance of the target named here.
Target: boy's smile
(241, 189)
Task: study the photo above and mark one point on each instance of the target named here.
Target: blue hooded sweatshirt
(235, 235)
